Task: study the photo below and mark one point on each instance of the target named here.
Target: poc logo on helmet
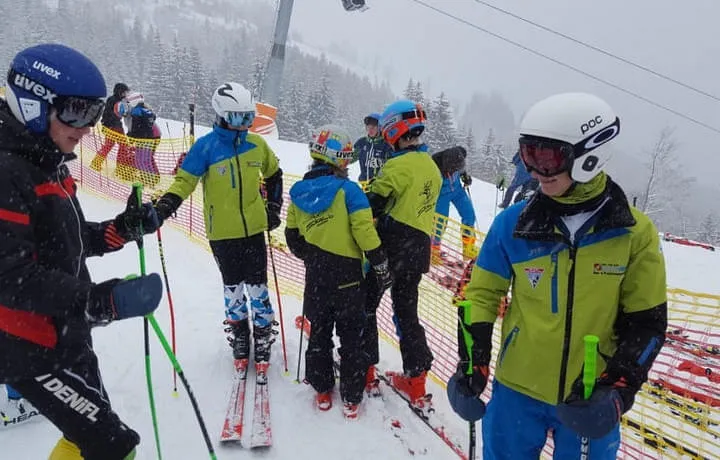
(46, 69)
(21, 81)
(590, 124)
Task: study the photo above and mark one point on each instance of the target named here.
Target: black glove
(466, 179)
(135, 218)
(384, 277)
(273, 215)
(472, 384)
(120, 299)
(167, 205)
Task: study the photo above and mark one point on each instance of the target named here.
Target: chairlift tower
(274, 72)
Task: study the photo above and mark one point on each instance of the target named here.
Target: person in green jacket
(578, 260)
(230, 162)
(330, 227)
(403, 197)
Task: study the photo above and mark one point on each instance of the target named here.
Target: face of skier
(372, 129)
(65, 136)
(554, 186)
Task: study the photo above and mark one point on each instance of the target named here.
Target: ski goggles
(546, 157)
(240, 119)
(79, 112)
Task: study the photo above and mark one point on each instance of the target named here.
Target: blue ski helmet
(401, 118)
(372, 117)
(54, 76)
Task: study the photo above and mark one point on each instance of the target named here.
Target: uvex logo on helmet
(46, 69)
(590, 124)
(23, 82)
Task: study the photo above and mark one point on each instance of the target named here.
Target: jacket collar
(38, 149)
(538, 220)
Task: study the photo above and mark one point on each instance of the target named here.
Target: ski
(233, 426)
(428, 419)
(261, 427)
(395, 425)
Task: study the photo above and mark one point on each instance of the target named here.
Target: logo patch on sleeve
(608, 269)
(534, 275)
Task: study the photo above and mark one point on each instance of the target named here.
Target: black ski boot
(239, 338)
(264, 338)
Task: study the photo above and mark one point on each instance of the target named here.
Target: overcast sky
(674, 37)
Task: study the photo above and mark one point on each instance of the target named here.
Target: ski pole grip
(591, 345)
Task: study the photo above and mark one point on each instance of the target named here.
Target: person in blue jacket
(522, 182)
(372, 150)
(451, 163)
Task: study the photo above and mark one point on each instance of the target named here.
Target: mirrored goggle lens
(240, 119)
(546, 159)
(79, 112)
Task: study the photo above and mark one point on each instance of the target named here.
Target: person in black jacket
(143, 139)
(48, 302)
(115, 133)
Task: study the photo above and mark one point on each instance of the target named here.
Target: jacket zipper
(77, 219)
(506, 345)
(240, 188)
(568, 325)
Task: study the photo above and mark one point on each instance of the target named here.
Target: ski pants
(341, 306)
(462, 203)
(416, 354)
(243, 266)
(515, 427)
(75, 401)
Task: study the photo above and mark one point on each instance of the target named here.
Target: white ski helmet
(232, 97)
(134, 98)
(332, 144)
(583, 121)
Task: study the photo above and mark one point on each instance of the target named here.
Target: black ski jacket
(44, 240)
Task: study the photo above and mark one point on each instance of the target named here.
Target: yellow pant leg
(65, 450)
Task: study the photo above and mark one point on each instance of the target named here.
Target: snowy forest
(177, 54)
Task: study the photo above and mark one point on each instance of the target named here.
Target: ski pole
(279, 302)
(170, 303)
(473, 441)
(137, 191)
(150, 318)
(591, 345)
(302, 330)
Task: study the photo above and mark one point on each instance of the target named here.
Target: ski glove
(595, 417)
(472, 384)
(466, 179)
(167, 205)
(468, 406)
(121, 299)
(384, 277)
(135, 218)
(273, 215)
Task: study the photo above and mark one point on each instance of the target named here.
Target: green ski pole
(589, 376)
(137, 191)
(150, 318)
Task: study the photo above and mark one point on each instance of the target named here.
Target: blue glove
(595, 417)
(121, 299)
(463, 399)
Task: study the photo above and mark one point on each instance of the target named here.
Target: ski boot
(470, 251)
(350, 411)
(323, 401)
(372, 383)
(413, 389)
(263, 337)
(239, 338)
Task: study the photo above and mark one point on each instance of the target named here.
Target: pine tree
(292, 117)
(441, 131)
(709, 231)
(410, 91)
(321, 104)
(472, 163)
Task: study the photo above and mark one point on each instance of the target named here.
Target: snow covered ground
(300, 432)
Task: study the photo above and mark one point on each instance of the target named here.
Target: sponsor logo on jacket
(68, 396)
(608, 269)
